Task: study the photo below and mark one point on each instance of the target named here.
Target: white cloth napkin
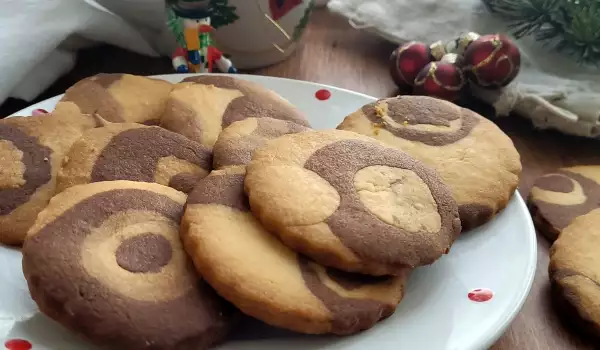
(39, 38)
(551, 90)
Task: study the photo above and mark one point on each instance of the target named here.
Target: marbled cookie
(130, 151)
(121, 98)
(202, 106)
(105, 260)
(31, 151)
(265, 279)
(348, 201)
(472, 155)
(237, 142)
(575, 272)
(556, 199)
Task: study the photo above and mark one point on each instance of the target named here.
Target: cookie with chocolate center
(575, 273)
(267, 280)
(105, 260)
(202, 106)
(135, 152)
(121, 98)
(237, 142)
(471, 154)
(350, 202)
(31, 151)
(556, 199)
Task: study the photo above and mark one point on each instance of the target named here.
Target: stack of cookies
(565, 206)
(153, 215)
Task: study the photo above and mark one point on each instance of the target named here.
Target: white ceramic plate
(436, 314)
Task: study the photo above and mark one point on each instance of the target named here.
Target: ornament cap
(438, 50)
(451, 58)
(465, 40)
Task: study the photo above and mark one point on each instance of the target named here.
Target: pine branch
(567, 26)
(222, 14)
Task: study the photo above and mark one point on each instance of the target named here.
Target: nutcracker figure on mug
(445, 70)
(190, 21)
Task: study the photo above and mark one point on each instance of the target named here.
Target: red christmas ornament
(440, 79)
(492, 61)
(407, 61)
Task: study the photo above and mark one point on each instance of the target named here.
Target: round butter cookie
(350, 202)
(121, 98)
(202, 106)
(105, 260)
(130, 151)
(575, 272)
(471, 154)
(556, 199)
(31, 151)
(237, 142)
(265, 279)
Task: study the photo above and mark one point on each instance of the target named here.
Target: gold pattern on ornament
(510, 62)
(406, 47)
(400, 51)
(497, 47)
(431, 74)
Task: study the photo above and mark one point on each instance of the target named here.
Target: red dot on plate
(323, 94)
(17, 344)
(481, 295)
(39, 111)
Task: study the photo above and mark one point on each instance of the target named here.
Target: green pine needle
(299, 30)
(221, 14)
(567, 26)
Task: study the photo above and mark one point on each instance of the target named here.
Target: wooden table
(334, 53)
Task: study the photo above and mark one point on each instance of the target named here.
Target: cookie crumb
(379, 112)
(377, 129)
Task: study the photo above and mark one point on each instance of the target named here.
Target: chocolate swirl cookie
(265, 279)
(347, 201)
(135, 152)
(202, 106)
(105, 260)
(31, 150)
(556, 199)
(472, 155)
(237, 142)
(121, 98)
(575, 273)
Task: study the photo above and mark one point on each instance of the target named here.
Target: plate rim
(486, 340)
(529, 277)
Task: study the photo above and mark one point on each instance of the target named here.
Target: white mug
(265, 31)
